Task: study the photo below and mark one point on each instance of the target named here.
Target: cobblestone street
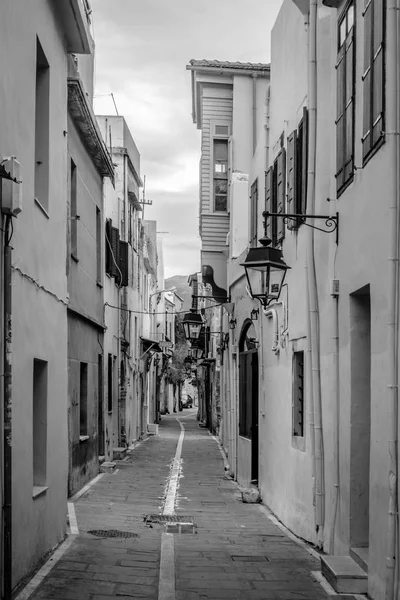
(236, 552)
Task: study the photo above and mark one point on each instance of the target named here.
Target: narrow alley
(117, 549)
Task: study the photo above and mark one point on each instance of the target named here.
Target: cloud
(142, 49)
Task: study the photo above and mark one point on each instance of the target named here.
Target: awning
(150, 345)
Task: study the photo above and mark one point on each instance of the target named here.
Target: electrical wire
(144, 312)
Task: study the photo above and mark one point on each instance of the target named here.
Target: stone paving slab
(236, 552)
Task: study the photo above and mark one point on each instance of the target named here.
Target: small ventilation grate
(112, 533)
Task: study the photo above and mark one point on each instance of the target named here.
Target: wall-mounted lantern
(232, 323)
(254, 314)
(192, 324)
(197, 352)
(265, 272)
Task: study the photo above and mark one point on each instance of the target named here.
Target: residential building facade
(309, 381)
(33, 128)
(88, 163)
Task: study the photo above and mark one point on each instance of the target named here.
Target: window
(275, 196)
(345, 68)
(297, 154)
(74, 210)
(98, 244)
(123, 262)
(298, 394)
(374, 76)
(83, 398)
(39, 422)
(108, 236)
(220, 175)
(110, 383)
(115, 271)
(253, 213)
(42, 129)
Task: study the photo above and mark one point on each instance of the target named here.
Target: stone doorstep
(361, 556)
(344, 574)
(119, 453)
(107, 467)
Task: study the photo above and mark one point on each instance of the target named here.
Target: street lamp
(265, 272)
(196, 352)
(192, 324)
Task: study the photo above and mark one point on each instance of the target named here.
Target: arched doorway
(248, 392)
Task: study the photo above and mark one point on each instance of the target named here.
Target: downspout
(393, 128)
(336, 416)
(312, 280)
(7, 383)
(272, 314)
(254, 77)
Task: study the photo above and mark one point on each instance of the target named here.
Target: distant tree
(177, 367)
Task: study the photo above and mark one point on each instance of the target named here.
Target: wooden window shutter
(292, 190)
(281, 193)
(107, 245)
(367, 78)
(302, 196)
(115, 254)
(268, 200)
(124, 262)
(378, 71)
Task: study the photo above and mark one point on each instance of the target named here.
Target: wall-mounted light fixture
(232, 323)
(254, 314)
(192, 324)
(265, 272)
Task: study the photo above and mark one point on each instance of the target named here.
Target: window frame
(253, 213)
(371, 70)
(345, 151)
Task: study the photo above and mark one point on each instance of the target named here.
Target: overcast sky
(142, 49)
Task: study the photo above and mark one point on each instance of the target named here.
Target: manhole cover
(169, 519)
(112, 533)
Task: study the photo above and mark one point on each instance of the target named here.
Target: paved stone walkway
(236, 552)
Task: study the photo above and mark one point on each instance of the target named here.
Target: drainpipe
(254, 76)
(272, 314)
(393, 129)
(312, 280)
(336, 424)
(7, 383)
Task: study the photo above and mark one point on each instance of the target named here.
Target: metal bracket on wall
(331, 222)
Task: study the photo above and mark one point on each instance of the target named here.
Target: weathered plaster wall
(39, 319)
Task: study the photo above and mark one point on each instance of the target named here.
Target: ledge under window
(83, 438)
(299, 443)
(39, 490)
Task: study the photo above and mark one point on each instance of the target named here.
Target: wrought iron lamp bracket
(331, 222)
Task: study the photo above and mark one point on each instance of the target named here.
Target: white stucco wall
(39, 317)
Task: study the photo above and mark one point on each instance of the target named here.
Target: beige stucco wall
(39, 318)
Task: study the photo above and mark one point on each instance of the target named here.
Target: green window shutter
(107, 246)
(268, 200)
(115, 254)
(123, 262)
(281, 193)
(292, 190)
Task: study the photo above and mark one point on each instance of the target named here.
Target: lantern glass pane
(195, 330)
(255, 281)
(276, 277)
